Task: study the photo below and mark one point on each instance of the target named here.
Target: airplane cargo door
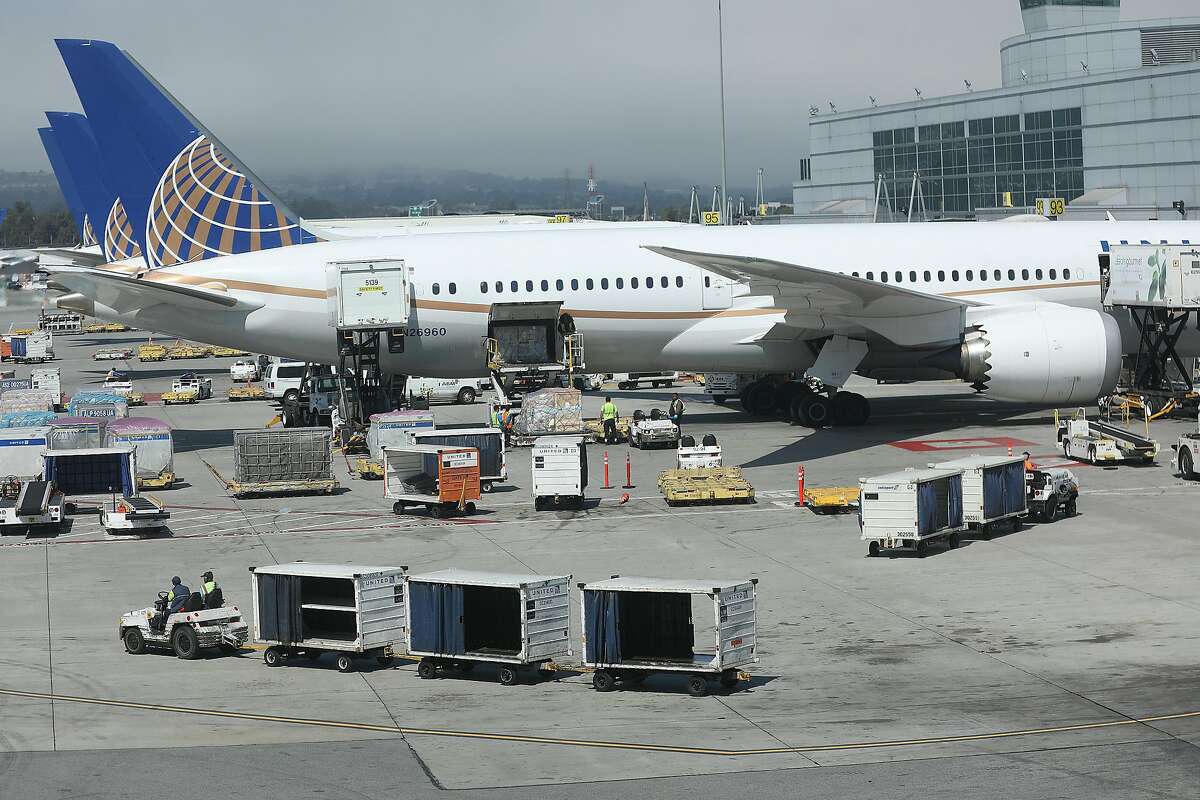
(718, 291)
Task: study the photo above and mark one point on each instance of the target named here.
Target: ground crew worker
(675, 411)
(608, 415)
(1029, 467)
(177, 597)
(212, 594)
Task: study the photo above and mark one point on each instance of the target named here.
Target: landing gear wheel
(508, 676)
(603, 681)
(385, 661)
(185, 642)
(697, 685)
(344, 662)
(761, 399)
(1186, 471)
(819, 410)
(798, 412)
(135, 643)
(850, 408)
(273, 657)
(873, 550)
(729, 678)
(426, 669)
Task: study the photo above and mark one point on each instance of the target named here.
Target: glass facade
(967, 166)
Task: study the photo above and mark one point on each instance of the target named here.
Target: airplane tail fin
(186, 195)
(66, 183)
(105, 212)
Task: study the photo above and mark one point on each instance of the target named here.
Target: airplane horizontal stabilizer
(125, 293)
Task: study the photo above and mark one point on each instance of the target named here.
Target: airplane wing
(70, 257)
(901, 315)
(125, 293)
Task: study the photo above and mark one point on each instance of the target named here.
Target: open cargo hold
(547, 412)
(28, 400)
(461, 616)
(21, 451)
(911, 508)
(559, 472)
(488, 441)
(993, 489)
(441, 478)
(151, 438)
(26, 419)
(285, 460)
(349, 609)
(98, 404)
(635, 626)
(393, 428)
(101, 470)
(76, 433)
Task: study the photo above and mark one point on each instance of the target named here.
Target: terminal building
(1100, 112)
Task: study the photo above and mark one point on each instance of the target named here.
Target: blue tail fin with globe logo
(66, 182)
(186, 196)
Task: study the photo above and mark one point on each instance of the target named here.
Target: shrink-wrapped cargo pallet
(98, 404)
(28, 400)
(151, 438)
(26, 419)
(550, 411)
(76, 433)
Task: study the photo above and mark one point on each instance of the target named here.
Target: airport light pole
(721, 70)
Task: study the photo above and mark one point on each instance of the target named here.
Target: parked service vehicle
(1098, 442)
(1187, 455)
(445, 390)
(706, 455)
(632, 380)
(243, 371)
(191, 382)
(282, 380)
(28, 504)
(187, 631)
(721, 386)
(652, 431)
(118, 382)
(1049, 491)
(133, 514)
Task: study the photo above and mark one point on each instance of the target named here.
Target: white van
(282, 379)
(446, 390)
(631, 380)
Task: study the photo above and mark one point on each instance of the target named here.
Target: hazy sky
(520, 87)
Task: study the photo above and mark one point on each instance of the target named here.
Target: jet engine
(1041, 353)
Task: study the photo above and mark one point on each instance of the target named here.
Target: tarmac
(1060, 660)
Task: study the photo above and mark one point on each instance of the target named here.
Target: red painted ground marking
(974, 443)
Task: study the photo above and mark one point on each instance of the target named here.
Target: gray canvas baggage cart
(910, 509)
(993, 491)
(459, 618)
(493, 466)
(347, 609)
(634, 627)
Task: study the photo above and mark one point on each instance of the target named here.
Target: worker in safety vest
(177, 597)
(675, 411)
(608, 416)
(1029, 466)
(210, 591)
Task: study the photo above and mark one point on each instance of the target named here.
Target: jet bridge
(529, 345)
(1159, 285)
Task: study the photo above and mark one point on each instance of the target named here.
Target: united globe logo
(204, 207)
(119, 243)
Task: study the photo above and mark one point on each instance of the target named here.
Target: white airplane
(1013, 309)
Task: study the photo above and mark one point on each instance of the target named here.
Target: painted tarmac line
(600, 743)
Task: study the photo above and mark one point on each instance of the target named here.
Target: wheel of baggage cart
(508, 675)
(135, 643)
(952, 541)
(1185, 464)
(603, 681)
(697, 685)
(426, 669)
(273, 656)
(1072, 506)
(398, 507)
(1017, 524)
(729, 678)
(436, 511)
(873, 549)
(345, 663)
(486, 487)
(385, 661)
(922, 548)
(185, 642)
(470, 509)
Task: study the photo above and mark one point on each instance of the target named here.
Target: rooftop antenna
(721, 68)
(645, 203)
(919, 95)
(874, 103)
(967, 83)
(759, 200)
(1024, 76)
(832, 107)
(813, 111)
(1084, 65)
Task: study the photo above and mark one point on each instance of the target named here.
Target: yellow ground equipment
(595, 429)
(161, 481)
(22, 331)
(226, 352)
(134, 399)
(247, 392)
(182, 397)
(151, 352)
(188, 351)
(368, 469)
(832, 499)
(105, 327)
(708, 486)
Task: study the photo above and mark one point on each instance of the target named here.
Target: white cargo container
(366, 295)
(394, 429)
(560, 471)
(720, 386)
(993, 490)
(911, 508)
(21, 451)
(48, 379)
(310, 609)
(633, 627)
(457, 618)
(1166, 276)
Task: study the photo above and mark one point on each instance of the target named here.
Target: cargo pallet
(135, 399)
(226, 352)
(237, 393)
(188, 351)
(179, 398)
(115, 354)
(151, 352)
(106, 327)
(314, 486)
(163, 480)
(709, 486)
(832, 499)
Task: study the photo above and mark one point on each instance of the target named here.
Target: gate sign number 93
(1050, 206)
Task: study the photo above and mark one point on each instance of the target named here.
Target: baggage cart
(281, 461)
(33, 348)
(50, 380)
(248, 392)
(114, 354)
(595, 428)
(92, 471)
(226, 352)
(993, 491)
(151, 352)
(351, 610)
(832, 499)
(75, 433)
(493, 467)
(560, 471)
(25, 505)
(182, 351)
(442, 479)
(705, 486)
(635, 627)
(911, 509)
(393, 429)
(21, 451)
(460, 618)
(154, 445)
(106, 327)
(100, 405)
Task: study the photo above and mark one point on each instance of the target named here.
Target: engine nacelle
(1041, 353)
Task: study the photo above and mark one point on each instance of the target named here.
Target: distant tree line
(24, 227)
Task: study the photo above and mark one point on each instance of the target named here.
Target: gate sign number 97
(1050, 206)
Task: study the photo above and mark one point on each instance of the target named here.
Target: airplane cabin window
(620, 283)
(1024, 274)
(679, 281)
(1053, 274)
(453, 288)
(650, 282)
(996, 274)
(483, 287)
(928, 277)
(604, 283)
(558, 284)
(663, 282)
(1037, 273)
(529, 286)
(1066, 274)
(1012, 274)
(514, 286)
(499, 287)
(545, 286)
(954, 275)
(707, 282)
(633, 283)
(437, 289)
(574, 284)
(912, 276)
(983, 275)
(941, 275)
(590, 284)
(870, 276)
(855, 274)
(883, 277)
(899, 276)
